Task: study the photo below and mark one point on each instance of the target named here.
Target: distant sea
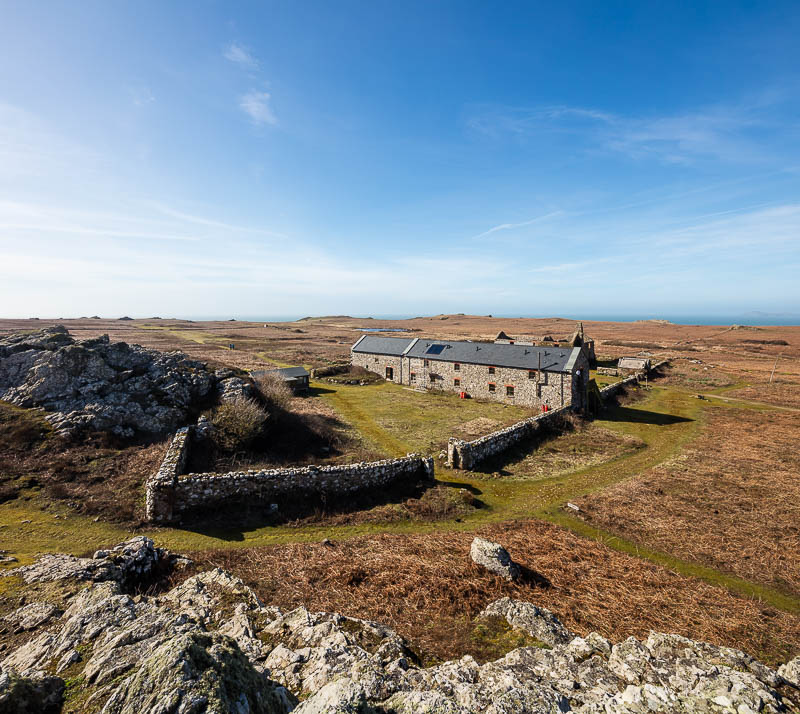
(752, 318)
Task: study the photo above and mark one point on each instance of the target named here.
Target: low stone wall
(160, 489)
(633, 379)
(171, 493)
(612, 389)
(608, 371)
(467, 454)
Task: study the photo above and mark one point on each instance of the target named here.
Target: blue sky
(374, 158)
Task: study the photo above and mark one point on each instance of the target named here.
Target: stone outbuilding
(295, 377)
(537, 377)
(632, 365)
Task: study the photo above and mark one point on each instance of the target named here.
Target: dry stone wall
(612, 389)
(170, 493)
(160, 489)
(467, 454)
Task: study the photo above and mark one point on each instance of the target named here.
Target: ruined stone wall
(170, 493)
(378, 364)
(551, 388)
(160, 489)
(467, 454)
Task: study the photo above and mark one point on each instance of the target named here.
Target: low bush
(237, 424)
(274, 390)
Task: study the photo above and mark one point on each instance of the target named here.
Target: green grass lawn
(398, 420)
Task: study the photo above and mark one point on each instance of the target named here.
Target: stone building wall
(531, 388)
(379, 363)
(552, 388)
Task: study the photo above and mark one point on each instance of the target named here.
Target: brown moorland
(739, 358)
(427, 588)
(730, 500)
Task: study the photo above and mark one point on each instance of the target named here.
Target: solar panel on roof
(434, 350)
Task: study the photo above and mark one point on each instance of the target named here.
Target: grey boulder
(494, 558)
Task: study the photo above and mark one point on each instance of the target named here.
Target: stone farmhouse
(526, 375)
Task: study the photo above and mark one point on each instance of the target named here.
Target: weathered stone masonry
(160, 489)
(553, 381)
(379, 363)
(467, 454)
(171, 494)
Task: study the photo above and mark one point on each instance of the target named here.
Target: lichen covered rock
(210, 645)
(494, 558)
(96, 385)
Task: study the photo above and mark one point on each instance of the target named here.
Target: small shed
(633, 364)
(295, 377)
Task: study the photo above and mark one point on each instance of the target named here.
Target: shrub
(274, 390)
(237, 424)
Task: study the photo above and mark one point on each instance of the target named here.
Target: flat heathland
(730, 499)
(428, 589)
(688, 518)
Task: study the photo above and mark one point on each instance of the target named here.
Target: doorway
(390, 373)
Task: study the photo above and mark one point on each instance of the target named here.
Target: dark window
(491, 386)
(456, 382)
(491, 370)
(389, 373)
(509, 390)
(434, 350)
(425, 363)
(413, 377)
(376, 359)
(457, 367)
(531, 374)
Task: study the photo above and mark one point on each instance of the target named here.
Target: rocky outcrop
(494, 558)
(539, 623)
(30, 695)
(210, 645)
(791, 672)
(97, 385)
(128, 564)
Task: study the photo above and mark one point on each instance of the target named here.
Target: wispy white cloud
(257, 106)
(210, 222)
(241, 55)
(512, 226)
(721, 132)
(141, 96)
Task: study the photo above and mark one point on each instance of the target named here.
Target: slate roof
(554, 359)
(288, 373)
(394, 346)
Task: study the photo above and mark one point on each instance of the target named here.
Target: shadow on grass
(642, 416)
(417, 500)
(316, 391)
(457, 484)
